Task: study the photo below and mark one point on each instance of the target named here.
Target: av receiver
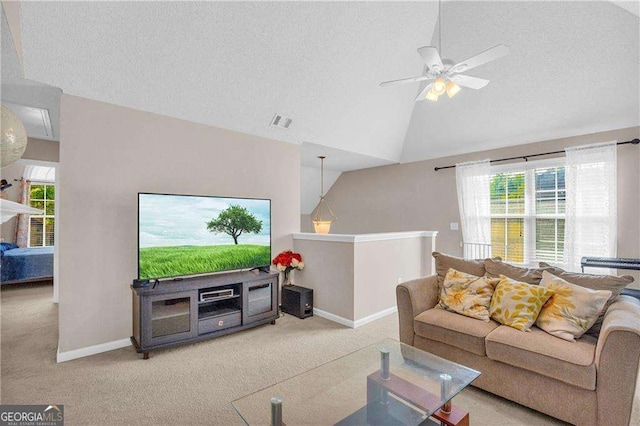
(207, 296)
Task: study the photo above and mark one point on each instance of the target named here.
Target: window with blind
(528, 214)
(41, 227)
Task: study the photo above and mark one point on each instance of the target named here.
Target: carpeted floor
(192, 384)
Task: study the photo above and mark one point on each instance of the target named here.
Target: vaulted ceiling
(573, 68)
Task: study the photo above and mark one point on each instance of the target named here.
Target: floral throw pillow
(467, 294)
(572, 309)
(517, 304)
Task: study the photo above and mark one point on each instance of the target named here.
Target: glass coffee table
(387, 383)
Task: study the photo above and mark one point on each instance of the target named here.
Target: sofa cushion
(453, 329)
(545, 354)
(467, 294)
(572, 309)
(495, 268)
(445, 262)
(595, 282)
(517, 304)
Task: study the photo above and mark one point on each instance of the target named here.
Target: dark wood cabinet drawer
(221, 322)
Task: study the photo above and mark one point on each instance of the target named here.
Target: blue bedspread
(22, 264)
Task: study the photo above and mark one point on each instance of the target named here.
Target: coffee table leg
(384, 364)
(276, 411)
(445, 389)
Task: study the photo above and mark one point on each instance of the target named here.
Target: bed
(25, 264)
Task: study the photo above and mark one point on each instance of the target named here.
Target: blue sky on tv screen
(179, 220)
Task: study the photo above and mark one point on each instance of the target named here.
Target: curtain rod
(526, 157)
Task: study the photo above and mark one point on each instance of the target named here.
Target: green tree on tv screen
(234, 221)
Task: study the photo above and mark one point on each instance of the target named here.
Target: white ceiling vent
(281, 122)
(36, 120)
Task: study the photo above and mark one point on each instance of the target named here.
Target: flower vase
(287, 278)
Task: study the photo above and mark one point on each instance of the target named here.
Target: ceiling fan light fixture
(432, 96)
(452, 89)
(439, 86)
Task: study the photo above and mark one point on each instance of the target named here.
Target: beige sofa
(589, 382)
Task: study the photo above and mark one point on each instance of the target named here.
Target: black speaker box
(297, 301)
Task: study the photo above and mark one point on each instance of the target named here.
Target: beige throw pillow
(572, 309)
(517, 304)
(595, 282)
(467, 294)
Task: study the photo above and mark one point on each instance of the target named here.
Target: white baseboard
(333, 317)
(357, 323)
(377, 315)
(92, 350)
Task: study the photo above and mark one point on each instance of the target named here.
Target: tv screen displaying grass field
(189, 235)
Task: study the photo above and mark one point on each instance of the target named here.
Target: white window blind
(528, 211)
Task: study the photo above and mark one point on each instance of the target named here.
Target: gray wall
(412, 196)
(107, 155)
(42, 150)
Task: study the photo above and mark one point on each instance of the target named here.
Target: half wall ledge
(354, 276)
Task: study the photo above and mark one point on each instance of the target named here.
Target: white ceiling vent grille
(281, 122)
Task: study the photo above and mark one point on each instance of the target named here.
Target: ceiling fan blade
(431, 57)
(470, 82)
(482, 58)
(423, 95)
(405, 80)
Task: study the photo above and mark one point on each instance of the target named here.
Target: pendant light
(14, 138)
(322, 216)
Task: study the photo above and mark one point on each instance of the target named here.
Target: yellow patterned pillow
(572, 309)
(517, 304)
(467, 294)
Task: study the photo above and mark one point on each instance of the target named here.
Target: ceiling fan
(446, 73)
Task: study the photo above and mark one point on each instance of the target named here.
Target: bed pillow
(572, 309)
(6, 246)
(467, 294)
(612, 283)
(517, 304)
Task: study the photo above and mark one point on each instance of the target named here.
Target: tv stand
(178, 312)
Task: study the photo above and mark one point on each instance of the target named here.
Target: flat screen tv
(181, 235)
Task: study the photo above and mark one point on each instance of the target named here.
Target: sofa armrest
(414, 297)
(617, 358)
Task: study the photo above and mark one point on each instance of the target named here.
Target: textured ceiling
(573, 68)
(17, 90)
(235, 64)
(632, 6)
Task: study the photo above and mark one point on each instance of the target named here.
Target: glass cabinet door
(260, 300)
(170, 317)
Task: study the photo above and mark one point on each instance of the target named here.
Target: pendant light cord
(321, 176)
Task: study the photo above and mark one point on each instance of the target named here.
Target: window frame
(529, 216)
(43, 216)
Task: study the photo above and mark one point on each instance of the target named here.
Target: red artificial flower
(288, 260)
